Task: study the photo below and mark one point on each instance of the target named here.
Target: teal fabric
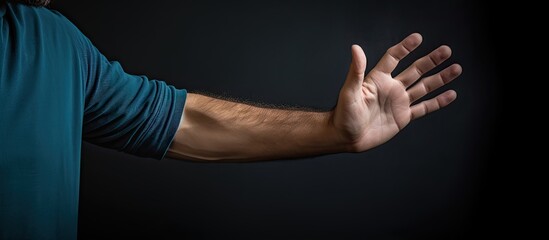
(57, 89)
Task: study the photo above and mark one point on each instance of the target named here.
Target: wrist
(336, 137)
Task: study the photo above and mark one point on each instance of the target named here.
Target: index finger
(390, 60)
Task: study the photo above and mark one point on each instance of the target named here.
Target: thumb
(357, 68)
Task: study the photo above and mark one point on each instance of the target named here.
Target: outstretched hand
(373, 108)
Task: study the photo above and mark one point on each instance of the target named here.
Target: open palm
(372, 109)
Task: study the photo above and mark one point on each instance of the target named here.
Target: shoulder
(22, 11)
(40, 18)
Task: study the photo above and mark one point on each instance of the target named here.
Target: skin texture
(371, 109)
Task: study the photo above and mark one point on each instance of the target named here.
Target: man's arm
(371, 109)
(214, 129)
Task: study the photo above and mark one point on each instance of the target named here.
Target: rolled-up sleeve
(127, 112)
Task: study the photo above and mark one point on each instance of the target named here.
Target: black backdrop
(431, 181)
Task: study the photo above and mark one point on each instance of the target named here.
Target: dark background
(434, 180)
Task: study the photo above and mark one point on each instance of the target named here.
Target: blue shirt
(56, 89)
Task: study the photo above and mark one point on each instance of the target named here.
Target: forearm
(213, 129)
